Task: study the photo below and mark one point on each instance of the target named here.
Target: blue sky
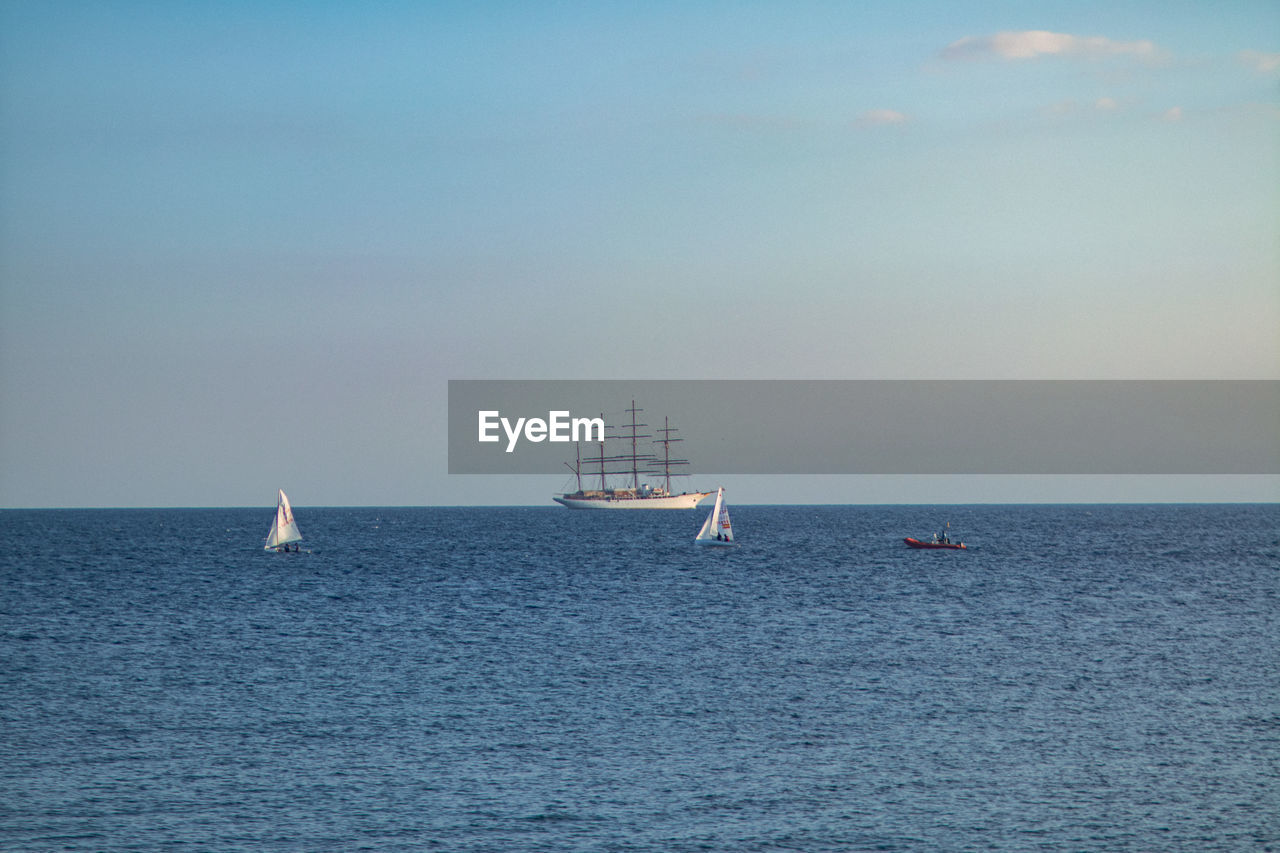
(244, 246)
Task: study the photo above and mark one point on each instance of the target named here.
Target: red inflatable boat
(916, 543)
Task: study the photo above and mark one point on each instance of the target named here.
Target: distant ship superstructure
(630, 464)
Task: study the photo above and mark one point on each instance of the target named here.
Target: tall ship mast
(631, 462)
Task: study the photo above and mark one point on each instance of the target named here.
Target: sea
(1080, 678)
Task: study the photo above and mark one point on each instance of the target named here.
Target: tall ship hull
(601, 500)
(628, 465)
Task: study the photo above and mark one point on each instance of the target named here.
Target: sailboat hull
(689, 500)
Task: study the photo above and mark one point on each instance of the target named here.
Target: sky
(244, 246)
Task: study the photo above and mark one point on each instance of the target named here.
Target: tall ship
(624, 456)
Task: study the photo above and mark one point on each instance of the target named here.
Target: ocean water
(1084, 678)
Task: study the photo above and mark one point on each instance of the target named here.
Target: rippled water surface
(1083, 678)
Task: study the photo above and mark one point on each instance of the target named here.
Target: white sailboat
(716, 530)
(284, 530)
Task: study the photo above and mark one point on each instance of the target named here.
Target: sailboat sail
(716, 530)
(284, 530)
(705, 533)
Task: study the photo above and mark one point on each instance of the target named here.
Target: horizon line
(554, 506)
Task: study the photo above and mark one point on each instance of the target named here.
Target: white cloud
(1173, 114)
(1107, 105)
(1029, 44)
(879, 118)
(1263, 63)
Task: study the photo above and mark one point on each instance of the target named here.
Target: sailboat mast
(666, 452)
(576, 467)
(666, 429)
(602, 480)
(635, 450)
(635, 466)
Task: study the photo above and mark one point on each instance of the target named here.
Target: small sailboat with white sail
(716, 530)
(284, 529)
